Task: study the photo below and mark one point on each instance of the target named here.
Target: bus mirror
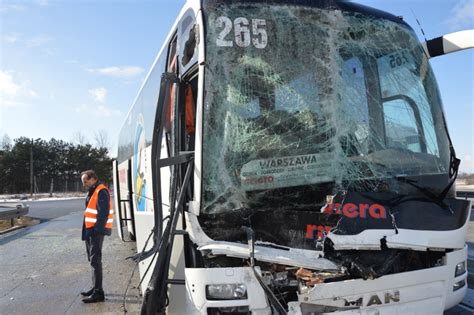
(449, 43)
(188, 41)
(190, 46)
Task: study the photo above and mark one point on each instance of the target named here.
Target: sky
(71, 69)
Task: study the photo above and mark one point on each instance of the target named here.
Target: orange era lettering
(350, 210)
(377, 211)
(363, 210)
(311, 228)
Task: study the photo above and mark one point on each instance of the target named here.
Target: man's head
(88, 178)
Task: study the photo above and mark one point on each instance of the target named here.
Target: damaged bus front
(327, 168)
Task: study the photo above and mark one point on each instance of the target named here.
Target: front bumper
(427, 291)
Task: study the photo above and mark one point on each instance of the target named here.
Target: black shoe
(97, 296)
(87, 293)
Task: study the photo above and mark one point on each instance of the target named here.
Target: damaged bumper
(374, 271)
(427, 291)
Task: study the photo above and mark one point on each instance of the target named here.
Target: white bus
(292, 157)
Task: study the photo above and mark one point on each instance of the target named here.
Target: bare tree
(6, 143)
(101, 139)
(79, 138)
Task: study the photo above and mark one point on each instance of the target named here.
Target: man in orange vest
(96, 224)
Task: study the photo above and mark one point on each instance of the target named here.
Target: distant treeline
(56, 165)
(467, 178)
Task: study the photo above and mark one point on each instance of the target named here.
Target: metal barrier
(11, 210)
(465, 194)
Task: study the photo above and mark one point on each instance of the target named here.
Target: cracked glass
(303, 102)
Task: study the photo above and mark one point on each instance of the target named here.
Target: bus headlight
(235, 291)
(458, 285)
(460, 269)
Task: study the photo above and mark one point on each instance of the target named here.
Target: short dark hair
(90, 174)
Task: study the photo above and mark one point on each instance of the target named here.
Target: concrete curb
(13, 228)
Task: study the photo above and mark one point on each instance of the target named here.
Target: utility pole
(31, 168)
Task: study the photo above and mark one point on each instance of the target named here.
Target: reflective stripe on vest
(90, 214)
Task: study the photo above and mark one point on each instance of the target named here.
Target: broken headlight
(460, 269)
(234, 291)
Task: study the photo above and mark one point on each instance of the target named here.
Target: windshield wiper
(454, 163)
(439, 200)
(453, 174)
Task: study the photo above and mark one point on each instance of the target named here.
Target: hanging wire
(136, 265)
(133, 272)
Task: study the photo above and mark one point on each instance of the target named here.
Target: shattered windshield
(301, 102)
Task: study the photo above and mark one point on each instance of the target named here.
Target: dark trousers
(94, 255)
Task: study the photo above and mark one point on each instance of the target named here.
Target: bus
(292, 157)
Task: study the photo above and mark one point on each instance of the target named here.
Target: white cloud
(99, 94)
(37, 41)
(7, 86)
(43, 3)
(82, 108)
(71, 61)
(125, 71)
(11, 38)
(101, 111)
(31, 42)
(14, 93)
(11, 7)
(462, 15)
(104, 111)
(5, 103)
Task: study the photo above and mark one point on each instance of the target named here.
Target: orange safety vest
(90, 214)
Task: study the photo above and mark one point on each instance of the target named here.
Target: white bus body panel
(177, 271)
(144, 215)
(198, 278)
(452, 42)
(117, 194)
(143, 211)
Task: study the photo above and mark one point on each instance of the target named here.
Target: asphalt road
(52, 209)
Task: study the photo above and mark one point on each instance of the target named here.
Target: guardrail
(465, 194)
(11, 210)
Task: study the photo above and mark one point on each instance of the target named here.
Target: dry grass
(17, 222)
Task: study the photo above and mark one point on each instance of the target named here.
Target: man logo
(374, 299)
(389, 297)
